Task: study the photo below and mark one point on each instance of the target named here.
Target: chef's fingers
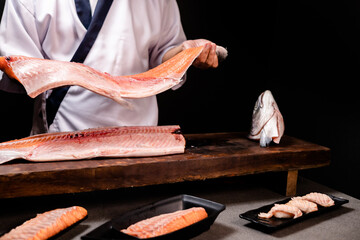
(207, 58)
(212, 59)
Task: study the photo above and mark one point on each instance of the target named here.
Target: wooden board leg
(291, 183)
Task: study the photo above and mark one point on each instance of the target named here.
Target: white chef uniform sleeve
(172, 34)
(18, 36)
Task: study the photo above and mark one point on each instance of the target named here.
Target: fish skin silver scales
(267, 121)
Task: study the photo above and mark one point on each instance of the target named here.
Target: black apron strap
(83, 10)
(102, 7)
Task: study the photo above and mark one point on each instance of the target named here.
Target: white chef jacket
(133, 39)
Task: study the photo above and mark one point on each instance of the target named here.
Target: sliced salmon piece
(47, 224)
(166, 223)
(319, 198)
(282, 211)
(304, 205)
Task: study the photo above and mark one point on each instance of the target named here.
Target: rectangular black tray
(111, 229)
(275, 223)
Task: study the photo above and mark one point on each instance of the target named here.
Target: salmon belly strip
(134, 141)
(166, 223)
(47, 224)
(38, 75)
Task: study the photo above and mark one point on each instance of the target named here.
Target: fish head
(263, 110)
(267, 121)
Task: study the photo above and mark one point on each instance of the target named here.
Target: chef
(120, 37)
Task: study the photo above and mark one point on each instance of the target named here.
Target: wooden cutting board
(207, 156)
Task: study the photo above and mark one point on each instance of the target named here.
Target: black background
(305, 52)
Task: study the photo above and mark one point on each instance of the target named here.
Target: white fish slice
(282, 211)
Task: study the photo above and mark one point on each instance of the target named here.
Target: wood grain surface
(207, 156)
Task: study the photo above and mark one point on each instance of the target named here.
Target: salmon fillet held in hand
(166, 223)
(47, 224)
(38, 75)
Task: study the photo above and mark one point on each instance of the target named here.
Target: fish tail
(221, 53)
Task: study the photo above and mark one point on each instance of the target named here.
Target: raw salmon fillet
(134, 141)
(319, 198)
(47, 224)
(38, 75)
(282, 211)
(166, 223)
(304, 205)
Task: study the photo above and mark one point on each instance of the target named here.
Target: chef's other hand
(206, 59)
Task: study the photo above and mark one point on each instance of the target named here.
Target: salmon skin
(134, 141)
(47, 224)
(166, 223)
(38, 75)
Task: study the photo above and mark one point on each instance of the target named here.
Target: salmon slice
(38, 75)
(134, 141)
(166, 223)
(304, 205)
(319, 198)
(47, 224)
(282, 211)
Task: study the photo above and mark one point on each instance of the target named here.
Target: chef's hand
(206, 59)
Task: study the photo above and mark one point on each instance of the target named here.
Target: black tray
(275, 223)
(111, 229)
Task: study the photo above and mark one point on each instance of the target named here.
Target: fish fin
(8, 155)
(264, 139)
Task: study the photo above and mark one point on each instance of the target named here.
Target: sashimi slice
(304, 205)
(39, 75)
(134, 141)
(282, 211)
(47, 224)
(166, 223)
(319, 198)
